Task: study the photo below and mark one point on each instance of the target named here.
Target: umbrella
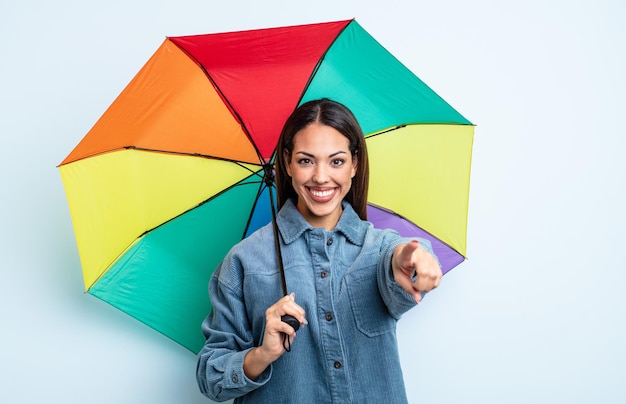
(173, 173)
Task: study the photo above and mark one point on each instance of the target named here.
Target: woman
(349, 282)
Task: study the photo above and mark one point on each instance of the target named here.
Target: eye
(304, 161)
(338, 162)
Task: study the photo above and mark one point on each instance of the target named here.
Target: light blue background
(536, 315)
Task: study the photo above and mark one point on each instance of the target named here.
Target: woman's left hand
(415, 269)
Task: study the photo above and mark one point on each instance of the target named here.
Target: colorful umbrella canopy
(171, 176)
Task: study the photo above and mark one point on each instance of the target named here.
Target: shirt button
(329, 316)
(324, 274)
(337, 365)
(329, 241)
(235, 378)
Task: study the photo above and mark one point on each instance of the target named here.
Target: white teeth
(322, 194)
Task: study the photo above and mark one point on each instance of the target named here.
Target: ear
(355, 164)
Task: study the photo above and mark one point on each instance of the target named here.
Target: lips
(322, 195)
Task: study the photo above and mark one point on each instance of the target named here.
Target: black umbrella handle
(295, 324)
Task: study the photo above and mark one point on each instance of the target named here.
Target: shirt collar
(292, 224)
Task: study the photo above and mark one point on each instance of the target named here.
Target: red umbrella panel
(172, 175)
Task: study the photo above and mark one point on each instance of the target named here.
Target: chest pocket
(370, 313)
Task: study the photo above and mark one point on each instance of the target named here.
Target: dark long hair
(337, 116)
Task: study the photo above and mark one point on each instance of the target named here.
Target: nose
(320, 174)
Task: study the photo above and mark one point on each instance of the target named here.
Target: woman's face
(321, 171)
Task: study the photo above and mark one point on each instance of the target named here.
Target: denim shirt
(343, 280)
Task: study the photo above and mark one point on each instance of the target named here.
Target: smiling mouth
(322, 195)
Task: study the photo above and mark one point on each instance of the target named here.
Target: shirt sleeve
(398, 300)
(219, 371)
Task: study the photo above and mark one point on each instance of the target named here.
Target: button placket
(323, 251)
